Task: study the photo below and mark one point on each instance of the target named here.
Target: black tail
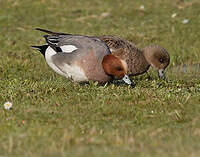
(50, 32)
(42, 48)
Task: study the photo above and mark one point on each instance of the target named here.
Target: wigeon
(138, 61)
(82, 58)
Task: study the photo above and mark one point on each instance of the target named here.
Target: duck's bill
(161, 73)
(127, 80)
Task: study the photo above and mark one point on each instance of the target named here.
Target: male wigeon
(138, 61)
(82, 58)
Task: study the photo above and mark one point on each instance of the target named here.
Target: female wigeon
(138, 61)
(82, 58)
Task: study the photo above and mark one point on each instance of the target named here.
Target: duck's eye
(161, 60)
(119, 68)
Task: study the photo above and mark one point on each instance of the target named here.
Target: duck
(138, 61)
(81, 59)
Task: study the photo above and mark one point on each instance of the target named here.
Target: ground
(52, 116)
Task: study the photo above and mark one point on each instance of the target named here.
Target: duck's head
(158, 58)
(115, 67)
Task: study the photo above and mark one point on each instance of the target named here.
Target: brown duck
(138, 61)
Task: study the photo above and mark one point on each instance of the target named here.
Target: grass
(61, 118)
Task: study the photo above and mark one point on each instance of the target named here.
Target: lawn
(52, 116)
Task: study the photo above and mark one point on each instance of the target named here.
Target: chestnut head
(115, 67)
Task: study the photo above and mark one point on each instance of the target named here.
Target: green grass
(62, 118)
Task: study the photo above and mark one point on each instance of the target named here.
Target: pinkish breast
(92, 67)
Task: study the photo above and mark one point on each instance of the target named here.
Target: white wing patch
(68, 48)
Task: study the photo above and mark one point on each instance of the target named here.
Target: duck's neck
(145, 55)
(146, 61)
(137, 64)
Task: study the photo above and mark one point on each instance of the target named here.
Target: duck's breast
(92, 67)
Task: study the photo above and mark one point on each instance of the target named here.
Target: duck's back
(137, 63)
